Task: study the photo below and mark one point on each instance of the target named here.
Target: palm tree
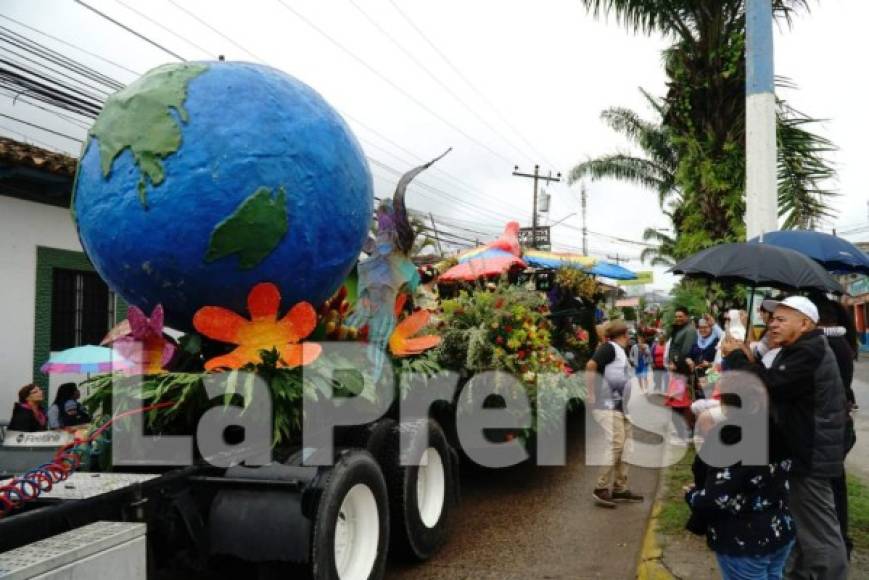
(664, 254)
(694, 157)
(802, 169)
(656, 169)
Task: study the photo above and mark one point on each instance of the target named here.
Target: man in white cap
(808, 406)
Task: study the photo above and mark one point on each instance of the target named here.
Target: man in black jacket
(808, 406)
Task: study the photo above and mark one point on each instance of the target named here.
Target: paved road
(858, 459)
(539, 522)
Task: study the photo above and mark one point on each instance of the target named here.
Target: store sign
(859, 286)
(646, 277)
(37, 438)
(541, 237)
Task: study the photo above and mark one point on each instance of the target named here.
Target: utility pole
(761, 199)
(617, 259)
(434, 228)
(536, 177)
(584, 227)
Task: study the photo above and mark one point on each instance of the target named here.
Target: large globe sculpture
(200, 180)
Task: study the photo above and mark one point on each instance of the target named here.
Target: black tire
(353, 467)
(412, 537)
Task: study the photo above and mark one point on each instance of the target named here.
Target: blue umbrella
(832, 252)
(610, 270)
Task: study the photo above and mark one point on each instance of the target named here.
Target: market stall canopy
(759, 265)
(493, 264)
(832, 252)
(612, 271)
(541, 259)
(84, 359)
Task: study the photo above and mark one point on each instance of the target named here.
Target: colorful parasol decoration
(140, 340)
(491, 260)
(487, 267)
(84, 360)
(401, 342)
(264, 330)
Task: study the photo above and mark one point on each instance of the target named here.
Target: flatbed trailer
(323, 522)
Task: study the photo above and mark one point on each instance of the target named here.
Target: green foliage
(858, 514)
(189, 400)
(702, 297)
(503, 329)
(674, 510)
(693, 154)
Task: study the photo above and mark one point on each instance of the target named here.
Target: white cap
(799, 303)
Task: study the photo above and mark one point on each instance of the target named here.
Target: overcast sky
(540, 74)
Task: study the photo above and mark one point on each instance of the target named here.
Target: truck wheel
(420, 495)
(351, 530)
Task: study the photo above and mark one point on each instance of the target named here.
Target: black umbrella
(759, 265)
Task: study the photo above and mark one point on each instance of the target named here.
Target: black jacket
(23, 419)
(845, 360)
(807, 402)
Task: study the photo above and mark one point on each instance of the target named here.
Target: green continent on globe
(253, 230)
(139, 117)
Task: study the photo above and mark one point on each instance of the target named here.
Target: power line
(27, 138)
(468, 82)
(41, 51)
(160, 25)
(46, 129)
(419, 185)
(25, 99)
(418, 159)
(130, 30)
(65, 43)
(435, 78)
(390, 82)
(215, 31)
(353, 119)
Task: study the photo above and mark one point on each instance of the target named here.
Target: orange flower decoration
(400, 342)
(262, 332)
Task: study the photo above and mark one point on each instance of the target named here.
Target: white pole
(761, 199)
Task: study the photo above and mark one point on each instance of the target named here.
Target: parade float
(230, 207)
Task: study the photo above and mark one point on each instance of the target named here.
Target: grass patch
(674, 511)
(858, 514)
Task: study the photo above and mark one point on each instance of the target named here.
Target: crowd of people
(785, 517)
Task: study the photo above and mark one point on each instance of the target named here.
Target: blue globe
(201, 180)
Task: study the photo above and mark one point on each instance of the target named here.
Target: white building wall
(24, 225)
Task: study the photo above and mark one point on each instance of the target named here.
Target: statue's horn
(406, 234)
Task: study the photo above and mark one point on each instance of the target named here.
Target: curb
(651, 564)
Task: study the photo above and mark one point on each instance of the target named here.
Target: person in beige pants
(607, 378)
